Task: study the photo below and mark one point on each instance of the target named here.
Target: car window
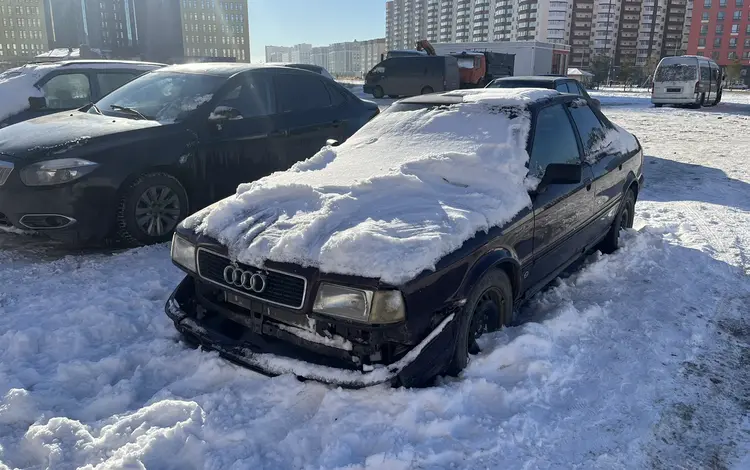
(298, 92)
(111, 81)
(252, 97)
(67, 91)
(562, 87)
(337, 96)
(581, 90)
(589, 127)
(554, 140)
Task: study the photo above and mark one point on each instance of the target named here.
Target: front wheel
(718, 98)
(427, 90)
(488, 307)
(623, 220)
(378, 92)
(150, 209)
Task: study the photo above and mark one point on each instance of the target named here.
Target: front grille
(5, 169)
(282, 289)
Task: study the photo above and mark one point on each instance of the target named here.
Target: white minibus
(689, 80)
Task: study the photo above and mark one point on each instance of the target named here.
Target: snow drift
(17, 85)
(410, 187)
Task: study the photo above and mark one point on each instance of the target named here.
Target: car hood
(59, 133)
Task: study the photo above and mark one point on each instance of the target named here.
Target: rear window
(520, 84)
(676, 73)
(296, 93)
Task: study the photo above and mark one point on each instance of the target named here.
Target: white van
(687, 80)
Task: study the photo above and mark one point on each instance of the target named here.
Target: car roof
(480, 94)
(103, 63)
(534, 79)
(222, 69)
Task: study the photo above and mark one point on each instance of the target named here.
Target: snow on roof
(579, 72)
(410, 187)
(17, 85)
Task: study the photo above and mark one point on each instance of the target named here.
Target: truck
(476, 68)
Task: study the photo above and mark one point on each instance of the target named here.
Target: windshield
(160, 96)
(466, 63)
(676, 73)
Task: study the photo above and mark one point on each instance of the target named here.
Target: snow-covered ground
(640, 359)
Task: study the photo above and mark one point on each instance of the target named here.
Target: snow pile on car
(412, 186)
(17, 86)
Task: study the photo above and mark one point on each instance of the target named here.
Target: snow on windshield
(676, 73)
(17, 86)
(412, 186)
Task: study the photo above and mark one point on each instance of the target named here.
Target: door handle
(587, 182)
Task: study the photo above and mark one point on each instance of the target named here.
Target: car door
(606, 163)
(560, 210)
(235, 145)
(307, 116)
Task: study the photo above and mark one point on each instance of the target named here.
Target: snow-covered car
(552, 82)
(38, 89)
(130, 166)
(384, 259)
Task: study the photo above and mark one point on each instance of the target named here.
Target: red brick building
(720, 29)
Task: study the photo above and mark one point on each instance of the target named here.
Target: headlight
(56, 171)
(183, 253)
(360, 305)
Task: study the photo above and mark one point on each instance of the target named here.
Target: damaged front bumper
(273, 349)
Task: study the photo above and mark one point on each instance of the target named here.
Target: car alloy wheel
(157, 211)
(488, 310)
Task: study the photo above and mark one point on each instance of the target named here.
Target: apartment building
(628, 31)
(24, 32)
(344, 59)
(721, 30)
(319, 56)
(448, 21)
(216, 29)
(370, 53)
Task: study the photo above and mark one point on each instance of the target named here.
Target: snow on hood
(17, 85)
(410, 187)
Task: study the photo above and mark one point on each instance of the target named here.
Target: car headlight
(183, 253)
(365, 306)
(56, 171)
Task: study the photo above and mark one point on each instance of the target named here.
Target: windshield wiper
(117, 107)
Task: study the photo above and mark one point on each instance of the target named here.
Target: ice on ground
(17, 86)
(408, 188)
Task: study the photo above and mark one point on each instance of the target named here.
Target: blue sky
(318, 22)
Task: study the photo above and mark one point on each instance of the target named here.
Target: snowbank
(410, 187)
(17, 86)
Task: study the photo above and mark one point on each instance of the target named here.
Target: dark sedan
(166, 144)
(550, 82)
(530, 181)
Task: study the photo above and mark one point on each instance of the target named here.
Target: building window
(746, 55)
(732, 55)
(715, 55)
(737, 15)
(705, 16)
(717, 42)
(738, 2)
(701, 42)
(704, 29)
(722, 3)
(719, 29)
(747, 42)
(707, 3)
(720, 16)
(732, 43)
(735, 28)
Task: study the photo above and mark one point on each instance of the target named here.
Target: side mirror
(597, 104)
(561, 173)
(332, 143)
(37, 102)
(224, 113)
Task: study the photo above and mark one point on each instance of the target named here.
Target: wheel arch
(166, 169)
(501, 258)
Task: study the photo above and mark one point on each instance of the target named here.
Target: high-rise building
(628, 31)
(214, 28)
(24, 32)
(319, 56)
(159, 30)
(447, 21)
(300, 53)
(344, 59)
(277, 53)
(721, 30)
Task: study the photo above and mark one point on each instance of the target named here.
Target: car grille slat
(281, 288)
(5, 170)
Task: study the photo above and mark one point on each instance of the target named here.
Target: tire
(150, 208)
(624, 219)
(378, 92)
(427, 90)
(393, 96)
(488, 307)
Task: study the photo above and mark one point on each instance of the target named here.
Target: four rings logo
(248, 280)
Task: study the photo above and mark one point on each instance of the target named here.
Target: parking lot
(637, 359)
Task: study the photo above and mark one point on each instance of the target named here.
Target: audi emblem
(248, 280)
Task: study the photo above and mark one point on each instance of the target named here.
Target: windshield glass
(160, 96)
(676, 73)
(466, 63)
